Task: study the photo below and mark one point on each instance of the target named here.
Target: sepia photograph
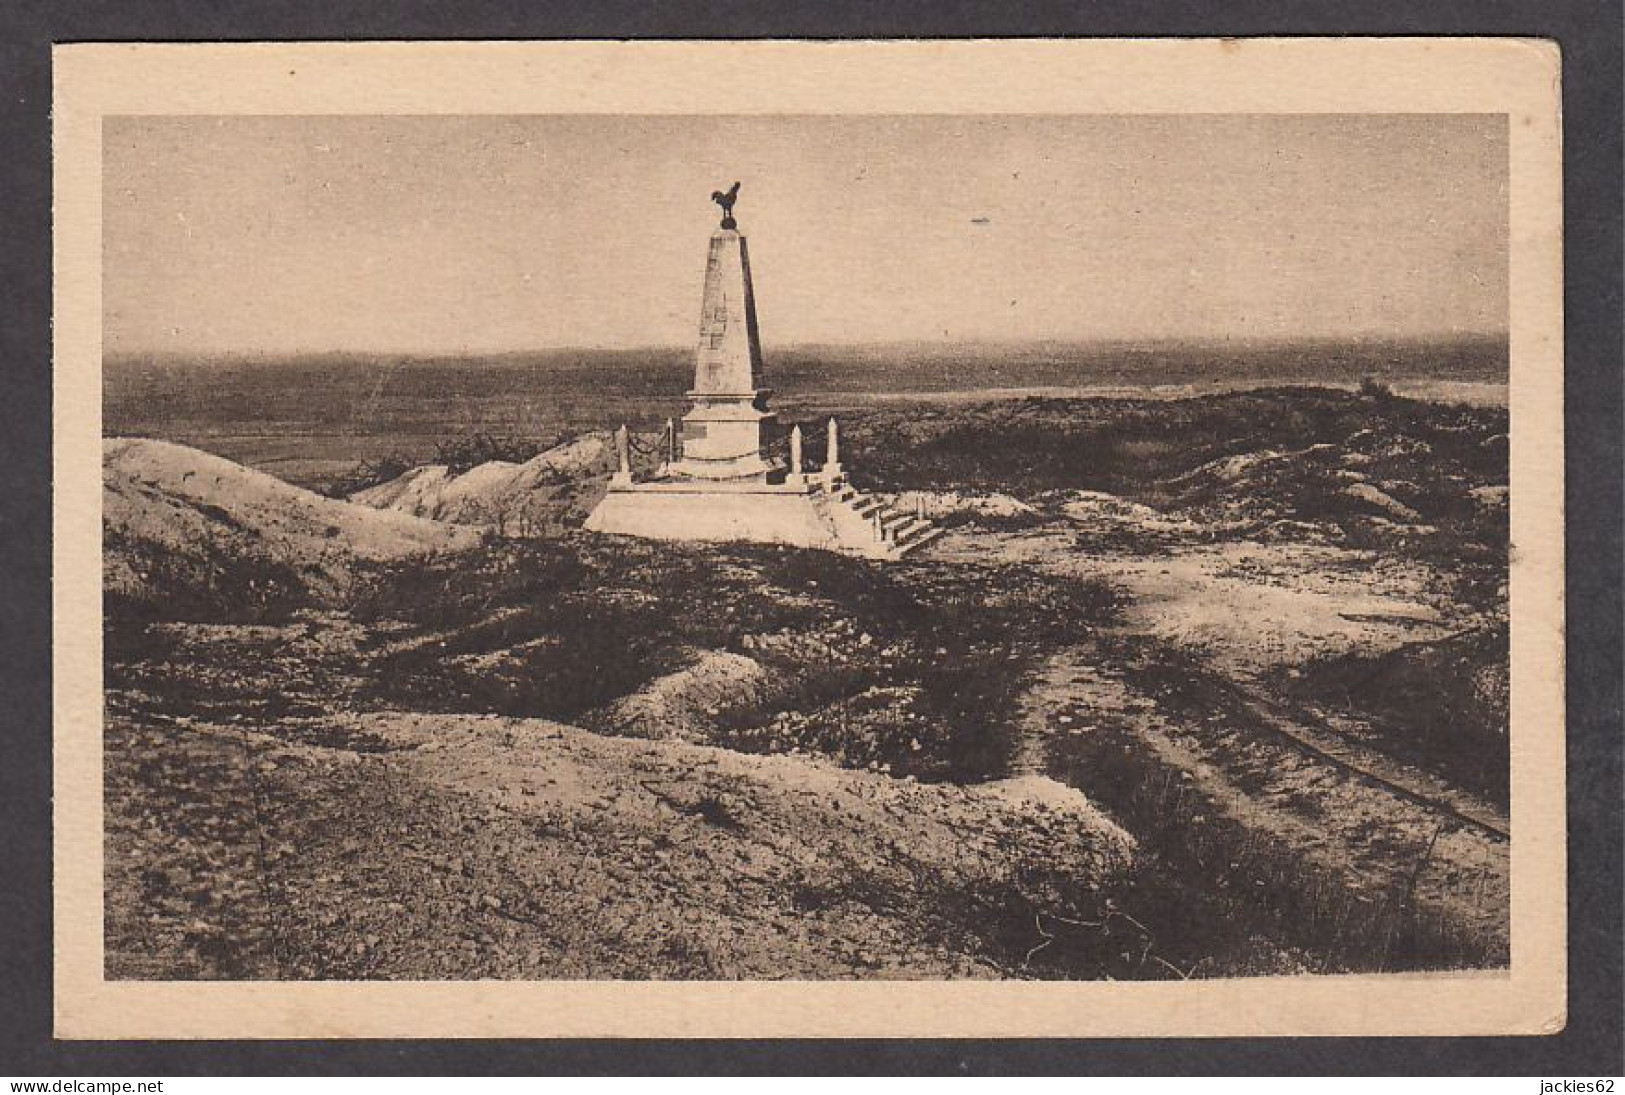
(891, 545)
(1087, 562)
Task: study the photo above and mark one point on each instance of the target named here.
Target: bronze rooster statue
(726, 199)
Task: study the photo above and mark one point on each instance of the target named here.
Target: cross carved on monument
(716, 324)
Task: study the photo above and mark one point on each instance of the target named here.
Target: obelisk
(728, 427)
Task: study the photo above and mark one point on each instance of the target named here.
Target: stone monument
(721, 477)
(728, 429)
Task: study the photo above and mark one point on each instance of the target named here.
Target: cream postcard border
(1517, 77)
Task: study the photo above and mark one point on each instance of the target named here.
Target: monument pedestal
(725, 436)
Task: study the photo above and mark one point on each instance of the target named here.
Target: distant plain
(311, 419)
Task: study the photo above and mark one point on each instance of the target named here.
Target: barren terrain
(1195, 687)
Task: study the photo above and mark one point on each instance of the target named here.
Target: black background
(1590, 34)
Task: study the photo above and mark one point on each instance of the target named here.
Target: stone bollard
(623, 454)
(832, 454)
(797, 476)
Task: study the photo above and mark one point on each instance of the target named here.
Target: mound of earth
(1374, 488)
(687, 703)
(1105, 521)
(203, 537)
(546, 494)
(459, 846)
(1441, 704)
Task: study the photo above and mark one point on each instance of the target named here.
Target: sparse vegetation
(561, 627)
(368, 473)
(459, 454)
(1372, 388)
(211, 585)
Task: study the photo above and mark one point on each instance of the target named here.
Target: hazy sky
(486, 234)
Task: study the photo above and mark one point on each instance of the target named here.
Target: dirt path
(1301, 727)
(1315, 737)
(1221, 782)
(1038, 719)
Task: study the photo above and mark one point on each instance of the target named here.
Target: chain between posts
(779, 446)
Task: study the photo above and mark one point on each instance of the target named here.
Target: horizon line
(1112, 342)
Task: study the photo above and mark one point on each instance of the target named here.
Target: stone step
(895, 531)
(915, 542)
(913, 531)
(910, 526)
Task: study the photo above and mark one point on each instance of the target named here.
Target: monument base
(805, 511)
(773, 513)
(724, 437)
